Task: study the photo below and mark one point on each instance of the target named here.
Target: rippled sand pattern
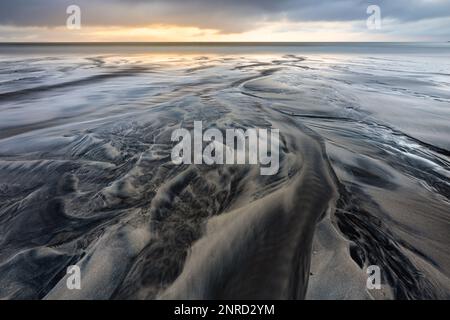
(86, 177)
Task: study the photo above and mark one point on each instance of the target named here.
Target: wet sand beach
(86, 175)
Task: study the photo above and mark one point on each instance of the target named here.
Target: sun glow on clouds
(267, 31)
(159, 33)
(230, 20)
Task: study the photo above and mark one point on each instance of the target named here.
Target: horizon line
(203, 43)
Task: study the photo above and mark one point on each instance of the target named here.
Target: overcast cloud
(230, 16)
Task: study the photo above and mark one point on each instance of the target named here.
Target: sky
(225, 20)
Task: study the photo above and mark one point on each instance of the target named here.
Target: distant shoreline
(224, 44)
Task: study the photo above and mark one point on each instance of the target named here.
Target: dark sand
(86, 176)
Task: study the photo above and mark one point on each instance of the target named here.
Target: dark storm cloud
(227, 16)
